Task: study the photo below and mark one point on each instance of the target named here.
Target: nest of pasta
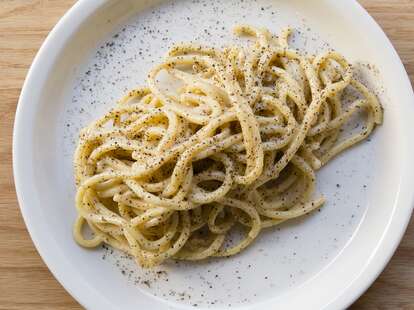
(234, 140)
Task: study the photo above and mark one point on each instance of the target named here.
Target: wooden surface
(25, 281)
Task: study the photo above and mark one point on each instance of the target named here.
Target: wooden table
(25, 281)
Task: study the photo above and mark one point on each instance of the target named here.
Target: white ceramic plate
(324, 261)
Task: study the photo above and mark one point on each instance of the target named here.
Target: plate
(100, 49)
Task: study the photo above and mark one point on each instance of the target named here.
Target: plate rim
(392, 235)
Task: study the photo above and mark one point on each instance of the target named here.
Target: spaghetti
(169, 173)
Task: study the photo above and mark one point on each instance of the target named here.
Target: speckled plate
(325, 260)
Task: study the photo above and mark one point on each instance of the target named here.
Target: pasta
(233, 137)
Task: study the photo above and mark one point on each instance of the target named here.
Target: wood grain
(25, 281)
